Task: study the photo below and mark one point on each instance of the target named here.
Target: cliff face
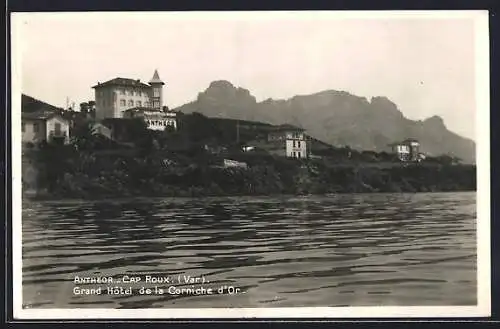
(335, 117)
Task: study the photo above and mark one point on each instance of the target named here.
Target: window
(139, 93)
(298, 144)
(138, 103)
(57, 128)
(157, 92)
(298, 155)
(23, 127)
(122, 102)
(130, 103)
(122, 91)
(36, 128)
(294, 143)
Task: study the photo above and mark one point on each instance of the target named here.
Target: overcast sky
(424, 65)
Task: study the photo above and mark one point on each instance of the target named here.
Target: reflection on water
(345, 250)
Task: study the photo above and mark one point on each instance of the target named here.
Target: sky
(424, 64)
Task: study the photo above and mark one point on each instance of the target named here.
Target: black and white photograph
(306, 164)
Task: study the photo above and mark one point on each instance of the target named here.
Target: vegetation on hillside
(176, 163)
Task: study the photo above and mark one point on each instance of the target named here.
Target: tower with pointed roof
(156, 91)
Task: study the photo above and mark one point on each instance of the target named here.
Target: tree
(91, 109)
(83, 136)
(84, 107)
(197, 127)
(444, 159)
(137, 129)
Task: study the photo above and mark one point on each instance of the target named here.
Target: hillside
(335, 117)
(58, 172)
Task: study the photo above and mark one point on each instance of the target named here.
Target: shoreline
(27, 197)
(57, 174)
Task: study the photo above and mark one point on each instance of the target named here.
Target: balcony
(58, 136)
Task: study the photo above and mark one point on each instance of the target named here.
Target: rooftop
(40, 115)
(142, 109)
(156, 78)
(148, 109)
(30, 104)
(406, 141)
(123, 82)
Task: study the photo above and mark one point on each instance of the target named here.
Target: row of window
(403, 148)
(297, 154)
(296, 144)
(36, 127)
(131, 92)
(130, 103)
(139, 93)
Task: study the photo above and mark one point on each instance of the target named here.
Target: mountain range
(336, 117)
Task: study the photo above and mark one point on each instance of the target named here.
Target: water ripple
(358, 250)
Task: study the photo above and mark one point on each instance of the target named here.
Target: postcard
(246, 165)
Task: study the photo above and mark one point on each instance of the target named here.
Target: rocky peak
(220, 84)
(222, 90)
(385, 105)
(336, 117)
(435, 121)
